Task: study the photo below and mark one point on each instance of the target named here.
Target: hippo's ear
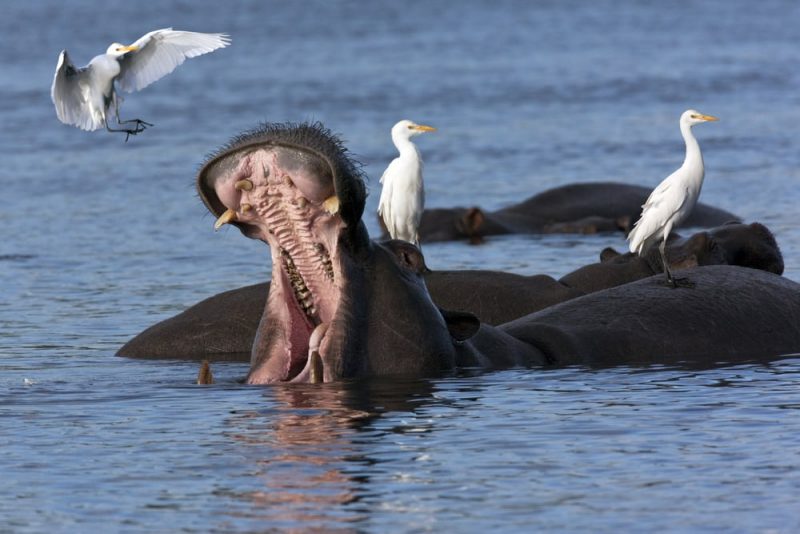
(461, 325)
(470, 223)
(700, 241)
(608, 253)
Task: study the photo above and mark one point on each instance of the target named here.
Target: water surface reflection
(310, 449)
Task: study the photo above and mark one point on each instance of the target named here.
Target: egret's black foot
(139, 123)
(139, 128)
(679, 282)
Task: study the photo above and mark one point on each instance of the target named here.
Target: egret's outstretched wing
(72, 92)
(160, 52)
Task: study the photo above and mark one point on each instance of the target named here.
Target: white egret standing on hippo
(83, 96)
(403, 194)
(674, 199)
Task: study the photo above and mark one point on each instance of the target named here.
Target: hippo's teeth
(301, 291)
(225, 218)
(331, 204)
(325, 260)
(243, 185)
(246, 207)
(316, 370)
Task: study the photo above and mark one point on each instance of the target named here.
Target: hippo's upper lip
(313, 138)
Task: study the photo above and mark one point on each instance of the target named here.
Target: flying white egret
(403, 193)
(83, 96)
(674, 199)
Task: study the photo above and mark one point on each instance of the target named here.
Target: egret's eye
(695, 116)
(410, 126)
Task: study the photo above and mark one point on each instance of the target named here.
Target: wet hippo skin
(224, 325)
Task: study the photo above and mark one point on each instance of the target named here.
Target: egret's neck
(694, 158)
(405, 146)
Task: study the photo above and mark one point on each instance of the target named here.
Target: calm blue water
(103, 238)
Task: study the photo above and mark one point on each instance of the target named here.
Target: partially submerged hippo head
(747, 245)
(337, 301)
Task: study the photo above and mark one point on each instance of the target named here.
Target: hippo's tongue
(314, 371)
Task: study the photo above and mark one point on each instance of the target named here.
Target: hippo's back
(732, 314)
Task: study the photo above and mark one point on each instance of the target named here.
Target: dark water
(103, 238)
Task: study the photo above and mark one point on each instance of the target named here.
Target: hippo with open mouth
(338, 304)
(343, 306)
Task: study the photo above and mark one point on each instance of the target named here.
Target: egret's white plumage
(83, 96)
(673, 199)
(403, 194)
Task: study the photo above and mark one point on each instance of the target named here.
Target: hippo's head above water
(295, 188)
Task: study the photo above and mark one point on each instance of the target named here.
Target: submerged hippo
(583, 208)
(342, 306)
(224, 326)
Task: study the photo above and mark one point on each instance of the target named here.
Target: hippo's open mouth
(286, 197)
(295, 211)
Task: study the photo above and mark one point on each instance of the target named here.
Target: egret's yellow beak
(423, 128)
(708, 118)
(131, 48)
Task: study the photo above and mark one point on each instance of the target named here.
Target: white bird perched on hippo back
(674, 199)
(403, 194)
(83, 96)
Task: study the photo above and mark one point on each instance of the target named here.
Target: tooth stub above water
(315, 365)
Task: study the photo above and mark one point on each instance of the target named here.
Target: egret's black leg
(671, 280)
(140, 124)
(126, 131)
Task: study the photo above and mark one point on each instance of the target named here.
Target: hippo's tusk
(246, 207)
(225, 218)
(316, 374)
(243, 185)
(331, 204)
(315, 365)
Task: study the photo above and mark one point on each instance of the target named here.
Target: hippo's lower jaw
(283, 200)
(304, 317)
